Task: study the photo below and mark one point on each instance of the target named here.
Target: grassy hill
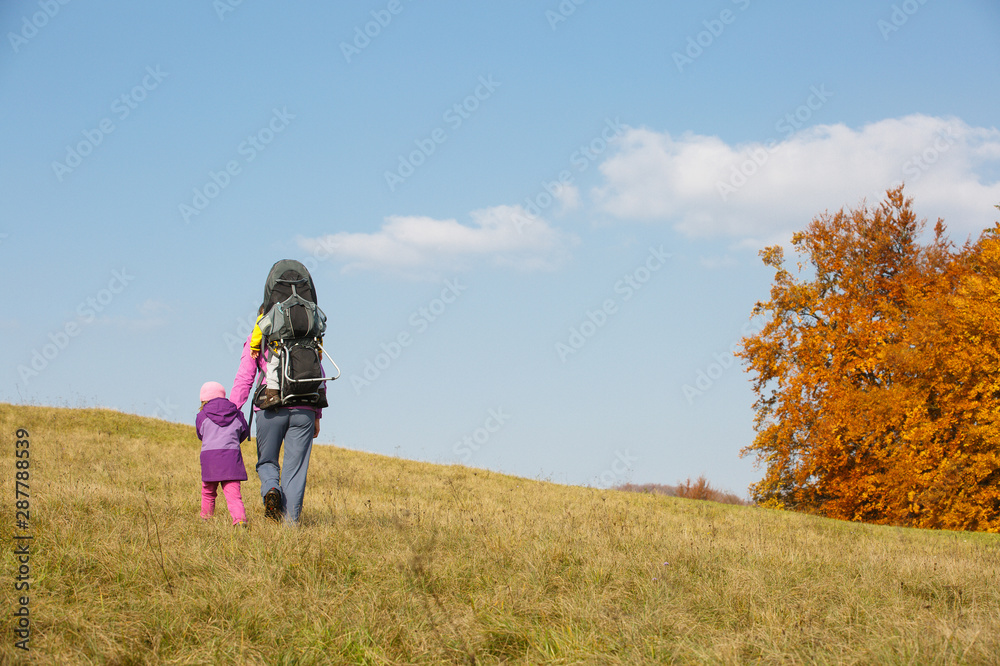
(399, 562)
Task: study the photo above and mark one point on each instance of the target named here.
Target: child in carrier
(221, 427)
(272, 390)
(293, 325)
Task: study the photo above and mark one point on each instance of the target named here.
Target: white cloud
(423, 247)
(696, 183)
(150, 308)
(716, 262)
(568, 196)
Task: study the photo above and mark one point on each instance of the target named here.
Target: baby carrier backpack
(293, 328)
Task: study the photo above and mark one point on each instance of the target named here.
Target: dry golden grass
(398, 562)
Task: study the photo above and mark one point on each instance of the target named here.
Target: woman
(295, 425)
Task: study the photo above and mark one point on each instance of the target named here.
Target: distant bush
(699, 489)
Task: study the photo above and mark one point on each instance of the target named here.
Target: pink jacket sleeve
(243, 384)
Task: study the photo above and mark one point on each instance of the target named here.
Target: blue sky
(556, 207)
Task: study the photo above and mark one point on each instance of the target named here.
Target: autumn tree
(877, 373)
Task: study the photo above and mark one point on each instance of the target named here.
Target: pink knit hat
(211, 390)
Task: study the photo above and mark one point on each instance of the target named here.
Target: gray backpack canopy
(290, 309)
(293, 328)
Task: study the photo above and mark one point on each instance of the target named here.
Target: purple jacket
(243, 384)
(221, 427)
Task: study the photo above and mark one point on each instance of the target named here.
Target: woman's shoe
(272, 504)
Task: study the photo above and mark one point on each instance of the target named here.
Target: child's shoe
(272, 398)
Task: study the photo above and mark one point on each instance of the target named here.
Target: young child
(221, 427)
(272, 391)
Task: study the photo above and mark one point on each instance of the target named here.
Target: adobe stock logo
(596, 319)
(898, 18)
(581, 159)
(714, 28)
(165, 408)
(619, 470)
(420, 321)
(706, 377)
(740, 174)
(920, 163)
(122, 106)
(562, 12)
(60, 339)
(454, 116)
(223, 7)
(363, 37)
(38, 20)
(249, 149)
(480, 436)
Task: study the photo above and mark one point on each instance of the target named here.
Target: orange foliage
(878, 379)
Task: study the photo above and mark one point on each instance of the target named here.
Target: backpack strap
(260, 383)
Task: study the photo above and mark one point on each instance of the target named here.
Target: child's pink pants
(231, 489)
